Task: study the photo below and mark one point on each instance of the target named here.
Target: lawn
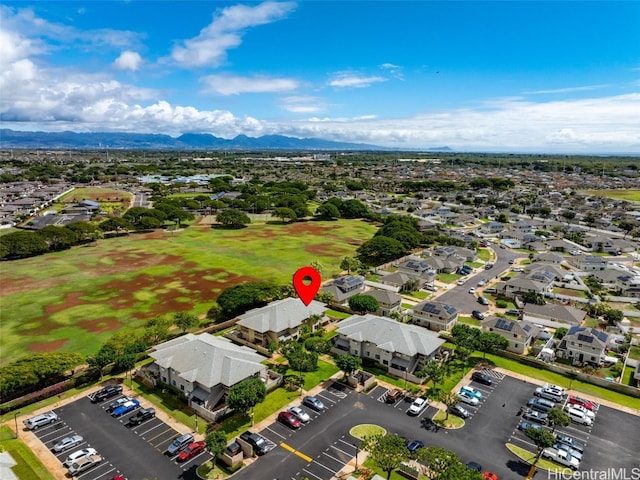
(630, 195)
(634, 352)
(447, 277)
(74, 300)
(469, 321)
(27, 467)
(484, 254)
(311, 379)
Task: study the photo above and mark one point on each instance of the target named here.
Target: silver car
(67, 442)
(179, 443)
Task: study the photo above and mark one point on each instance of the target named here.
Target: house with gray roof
(279, 321)
(397, 346)
(519, 334)
(344, 287)
(203, 367)
(583, 346)
(553, 315)
(548, 257)
(388, 302)
(520, 286)
(435, 315)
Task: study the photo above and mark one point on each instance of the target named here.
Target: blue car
(127, 407)
(472, 391)
(414, 445)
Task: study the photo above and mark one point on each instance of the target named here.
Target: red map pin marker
(306, 281)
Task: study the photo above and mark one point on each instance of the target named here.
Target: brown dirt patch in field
(70, 300)
(51, 346)
(100, 325)
(324, 249)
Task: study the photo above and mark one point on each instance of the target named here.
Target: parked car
(482, 282)
(67, 443)
(489, 476)
(125, 408)
(113, 405)
(472, 391)
(38, 421)
(431, 288)
(505, 278)
(461, 281)
(179, 443)
(142, 415)
(459, 411)
(300, 414)
(190, 451)
(313, 403)
(549, 393)
(472, 290)
(513, 311)
(414, 445)
(481, 377)
(577, 454)
(77, 455)
(534, 416)
(488, 266)
(578, 416)
(233, 449)
(575, 400)
(393, 395)
(540, 404)
(83, 464)
(524, 425)
(258, 442)
(572, 442)
(562, 457)
(584, 410)
(483, 301)
(477, 314)
(106, 393)
(468, 398)
(289, 419)
(418, 405)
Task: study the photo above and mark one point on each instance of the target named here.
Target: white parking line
(103, 474)
(333, 458)
(59, 426)
(60, 436)
(342, 451)
(347, 443)
(316, 462)
(276, 433)
(182, 465)
(327, 399)
(312, 474)
(152, 428)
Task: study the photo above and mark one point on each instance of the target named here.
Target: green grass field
(629, 195)
(74, 300)
(27, 467)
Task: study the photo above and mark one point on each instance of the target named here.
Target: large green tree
(387, 452)
(242, 297)
(245, 395)
(490, 342)
(348, 363)
(233, 218)
(558, 418)
(362, 303)
(541, 438)
(434, 371)
(216, 443)
(379, 250)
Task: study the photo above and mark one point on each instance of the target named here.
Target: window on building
(377, 357)
(173, 382)
(164, 379)
(182, 387)
(385, 362)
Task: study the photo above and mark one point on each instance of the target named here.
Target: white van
(578, 416)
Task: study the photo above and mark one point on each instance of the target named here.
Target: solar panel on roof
(430, 308)
(503, 324)
(585, 338)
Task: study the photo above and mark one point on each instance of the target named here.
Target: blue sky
(475, 76)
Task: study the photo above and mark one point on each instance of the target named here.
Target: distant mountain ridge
(196, 141)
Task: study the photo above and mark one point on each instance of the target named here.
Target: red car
(191, 451)
(489, 476)
(581, 401)
(289, 419)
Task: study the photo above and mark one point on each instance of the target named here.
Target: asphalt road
(319, 449)
(136, 452)
(459, 297)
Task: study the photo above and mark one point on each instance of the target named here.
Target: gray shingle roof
(390, 335)
(280, 315)
(208, 360)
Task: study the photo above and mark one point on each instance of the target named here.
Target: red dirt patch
(324, 249)
(101, 325)
(51, 346)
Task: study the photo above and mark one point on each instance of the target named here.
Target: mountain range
(187, 141)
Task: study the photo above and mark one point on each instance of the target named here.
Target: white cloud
(225, 32)
(351, 80)
(302, 104)
(566, 89)
(226, 84)
(393, 70)
(128, 60)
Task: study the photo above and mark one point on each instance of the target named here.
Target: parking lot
(135, 452)
(319, 449)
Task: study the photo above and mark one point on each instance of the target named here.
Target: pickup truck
(84, 463)
(562, 457)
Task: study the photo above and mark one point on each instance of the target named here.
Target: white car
(472, 290)
(300, 414)
(77, 455)
(562, 457)
(467, 398)
(584, 410)
(417, 406)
